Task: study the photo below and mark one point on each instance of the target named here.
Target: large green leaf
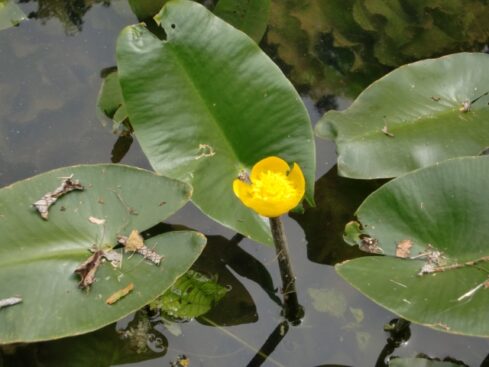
(250, 16)
(440, 211)
(411, 118)
(10, 14)
(206, 103)
(38, 257)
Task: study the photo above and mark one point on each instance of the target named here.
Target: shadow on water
(337, 198)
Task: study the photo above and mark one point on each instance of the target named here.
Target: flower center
(272, 186)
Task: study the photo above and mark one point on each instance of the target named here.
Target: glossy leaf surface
(38, 257)
(207, 103)
(442, 213)
(413, 117)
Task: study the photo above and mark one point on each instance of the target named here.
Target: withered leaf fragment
(6, 302)
(369, 244)
(119, 294)
(135, 243)
(48, 199)
(88, 268)
(403, 248)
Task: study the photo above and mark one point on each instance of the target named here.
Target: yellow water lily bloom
(272, 188)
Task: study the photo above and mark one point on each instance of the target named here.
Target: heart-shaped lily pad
(206, 103)
(38, 257)
(432, 226)
(416, 116)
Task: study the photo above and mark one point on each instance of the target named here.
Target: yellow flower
(272, 189)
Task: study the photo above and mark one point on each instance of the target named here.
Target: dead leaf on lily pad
(48, 199)
(403, 248)
(135, 243)
(88, 268)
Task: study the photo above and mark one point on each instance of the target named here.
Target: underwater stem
(293, 311)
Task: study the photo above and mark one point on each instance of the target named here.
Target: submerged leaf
(191, 296)
(10, 14)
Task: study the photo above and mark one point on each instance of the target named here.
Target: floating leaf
(209, 85)
(37, 258)
(443, 211)
(110, 104)
(10, 14)
(425, 130)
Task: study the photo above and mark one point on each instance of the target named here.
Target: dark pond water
(49, 79)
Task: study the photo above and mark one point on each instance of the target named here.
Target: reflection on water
(49, 81)
(341, 46)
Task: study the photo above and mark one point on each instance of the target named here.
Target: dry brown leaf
(48, 199)
(119, 294)
(134, 241)
(88, 268)
(403, 248)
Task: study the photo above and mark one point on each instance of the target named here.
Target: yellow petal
(274, 164)
(242, 190)
(297, 178)
(269, 210)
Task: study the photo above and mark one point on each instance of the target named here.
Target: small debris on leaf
(205, 150)
(135, 243)
(435, 98)
(434, 259)
(465, 107)
(471, 292)
(181, 361)
(48, 199)
(386, 132)
(120, 294)
(403, 248)
(88, 268)
(6, 302)
(114, 257)
(369, 244)
(96, 220)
